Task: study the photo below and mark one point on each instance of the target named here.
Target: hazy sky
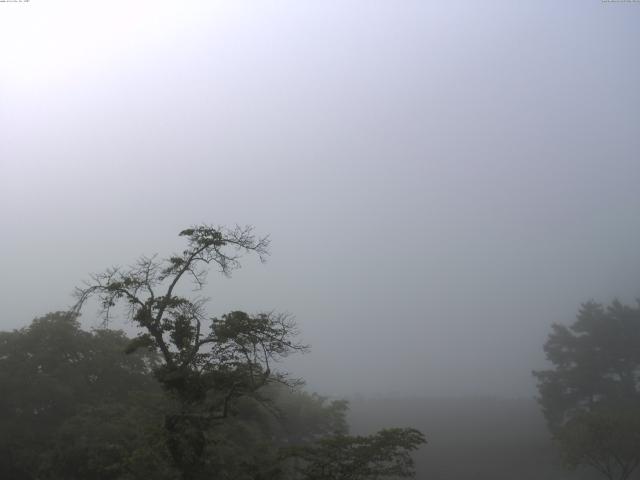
(441, 180)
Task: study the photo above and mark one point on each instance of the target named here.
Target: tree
(386, 454)
(605, 439)
(214, 367)
(591, 398)
(252, 444)
(52, 374)
(207, 363)
(112, 441)
(305, 418)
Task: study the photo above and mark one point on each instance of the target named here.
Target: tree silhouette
(211, 365)
(208, 363)
(591, 398)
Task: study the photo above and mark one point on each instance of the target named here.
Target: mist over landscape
(440, 182)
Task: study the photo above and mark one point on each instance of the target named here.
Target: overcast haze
(441, 180)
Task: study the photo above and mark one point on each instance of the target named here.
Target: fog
(440, 180)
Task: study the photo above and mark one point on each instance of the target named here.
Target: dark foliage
(67, 394)
(591, 398)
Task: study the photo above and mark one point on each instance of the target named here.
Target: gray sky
(441, 180)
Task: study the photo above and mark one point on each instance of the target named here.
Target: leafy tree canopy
(591, 396)
(213, 367)
(386, 454)
(54, 376)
